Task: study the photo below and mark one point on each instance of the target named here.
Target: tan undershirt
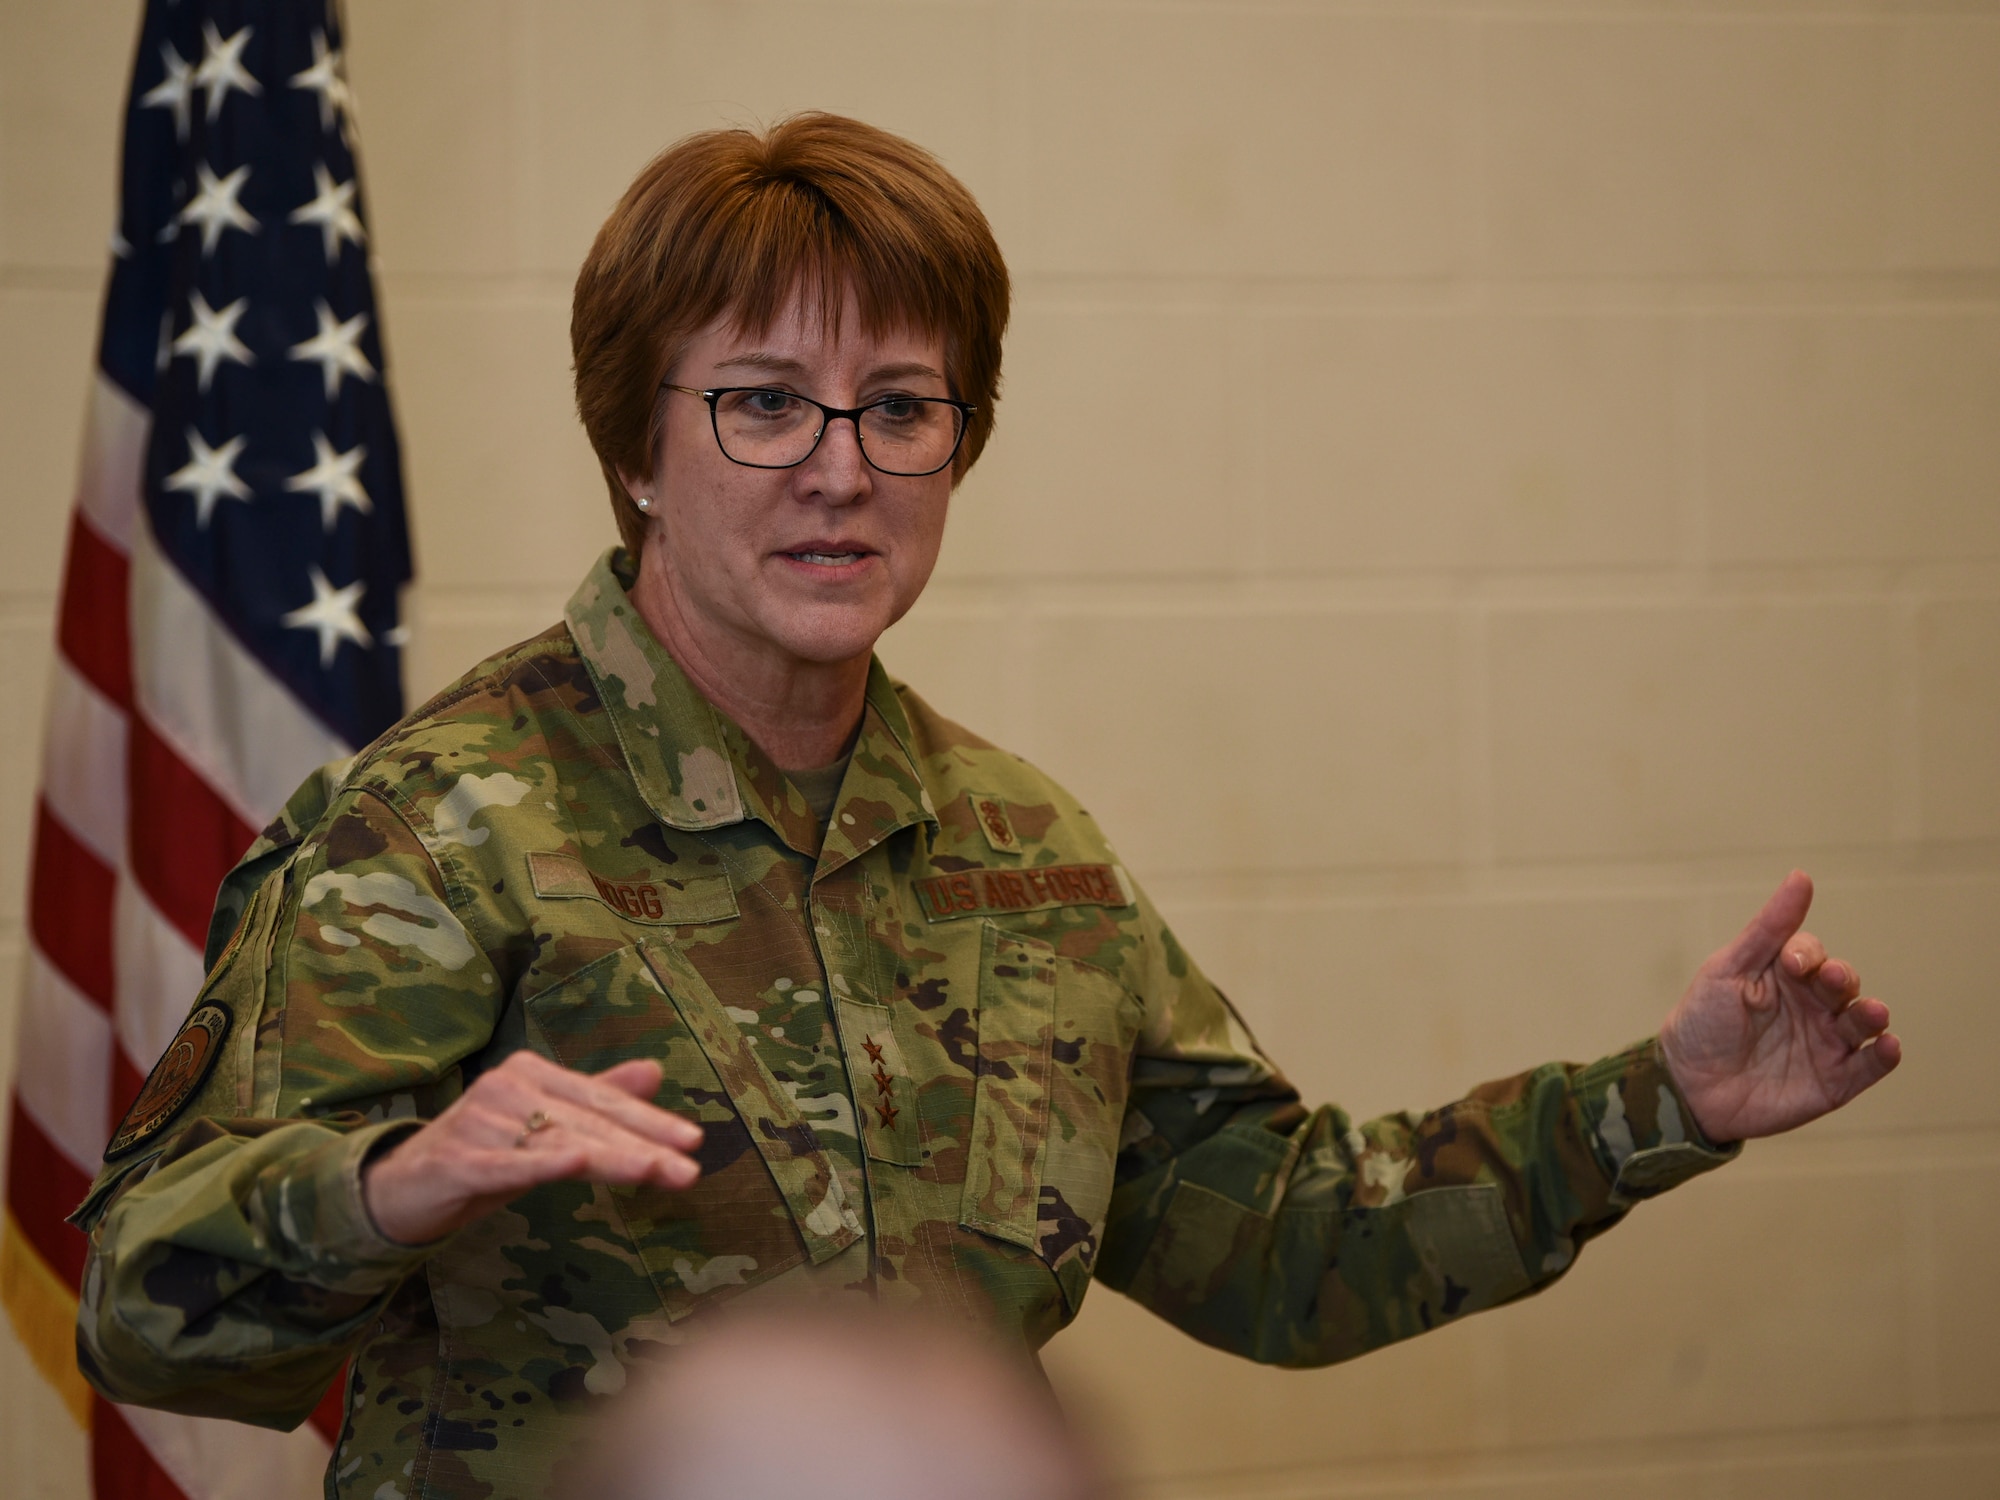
(821, 787)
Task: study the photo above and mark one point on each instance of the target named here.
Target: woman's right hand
(488, 1148)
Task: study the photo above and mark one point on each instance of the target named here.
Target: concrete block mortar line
(1020, 705)
(1906, 787)
(1491, 1430)
(1247, 292)
(1627, 292)
(72, 280)
(1249, 467)
(457, 604)
(1829, 1152)
(1478, 840)
(1670, 12)
(30, 609)
(508, 288)
(1694, 11)
(1719, 885)
(1268, 591)
(1927, 582)
(1697, 1460)
(1690, 448)
(1014, 38)
(1468, 46)
(1920, 1291)
(525, 125)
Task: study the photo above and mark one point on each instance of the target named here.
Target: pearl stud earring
(644, 502)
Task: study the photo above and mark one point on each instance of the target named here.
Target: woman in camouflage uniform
(678, 954)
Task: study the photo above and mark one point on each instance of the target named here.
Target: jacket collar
(695, 769)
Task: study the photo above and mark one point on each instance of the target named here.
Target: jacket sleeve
(1296, 1237)
(232, 1264)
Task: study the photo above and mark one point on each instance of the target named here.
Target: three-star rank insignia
(885, 1083)
(991, 811)
(176, 1078)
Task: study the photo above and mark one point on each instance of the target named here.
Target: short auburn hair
(732, 221)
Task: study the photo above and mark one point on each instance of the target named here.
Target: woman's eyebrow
(777, 364)
(904, 370)
(758, 360)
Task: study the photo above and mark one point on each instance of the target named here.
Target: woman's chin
(829, 636)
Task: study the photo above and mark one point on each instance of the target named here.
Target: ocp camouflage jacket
(948, 1053)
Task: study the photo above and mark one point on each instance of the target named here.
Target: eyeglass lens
(775, 429)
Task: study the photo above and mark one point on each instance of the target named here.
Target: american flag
(228, 622)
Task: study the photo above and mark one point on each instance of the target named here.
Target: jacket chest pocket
(1007, 1151)
(768, 1199)
(1017, 1101)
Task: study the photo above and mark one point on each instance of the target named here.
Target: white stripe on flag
(64, 1075)
(233, 723)
(83, 768)
(212, 1460)
(159, 974)
(114, 452)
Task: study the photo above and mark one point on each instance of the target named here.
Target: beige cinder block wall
(1482, 491)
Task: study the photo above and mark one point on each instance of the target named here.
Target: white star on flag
(171, 230)
(337, 348)
(333, 211)
(209, 474)
(332, 614)
(173, 92)
(222, 67)
(335, 477)
(215, 207)
(211, 337)
(327, 78)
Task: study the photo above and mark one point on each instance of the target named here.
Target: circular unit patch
(176, 1078)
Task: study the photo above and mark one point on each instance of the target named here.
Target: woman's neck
(801, 713)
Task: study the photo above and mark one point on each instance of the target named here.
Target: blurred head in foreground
(837, 1405)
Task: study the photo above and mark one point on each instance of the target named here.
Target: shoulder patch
(973, 893)
(176, 1078)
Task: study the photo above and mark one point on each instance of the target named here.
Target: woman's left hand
(1772, 1033)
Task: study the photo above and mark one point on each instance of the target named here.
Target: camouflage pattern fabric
(948, 1054)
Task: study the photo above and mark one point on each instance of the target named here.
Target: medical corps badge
(175, 1078)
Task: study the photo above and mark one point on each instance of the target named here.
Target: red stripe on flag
(328, 1417)
(43, 1188)
(184, 837)
(121, 1467)
(93, 629)
(69, 907)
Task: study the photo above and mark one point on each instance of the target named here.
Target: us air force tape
(977, 892)
(176, 1078)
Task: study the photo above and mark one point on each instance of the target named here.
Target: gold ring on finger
(530, 1126)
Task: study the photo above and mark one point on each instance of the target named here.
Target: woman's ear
(639, 489)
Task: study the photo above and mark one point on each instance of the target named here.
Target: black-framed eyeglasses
(763, 428)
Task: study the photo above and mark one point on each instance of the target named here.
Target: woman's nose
(838, 470)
